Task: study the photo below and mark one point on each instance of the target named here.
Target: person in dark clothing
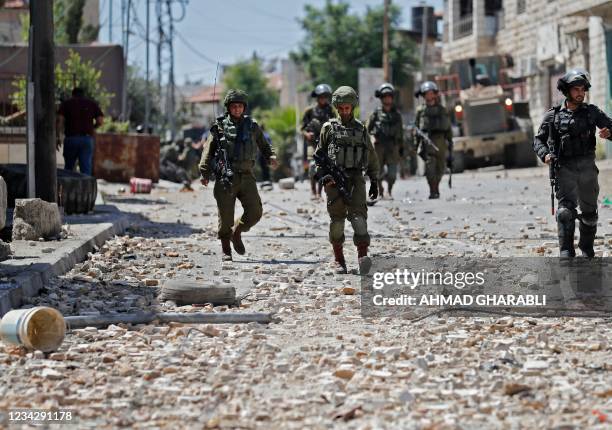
(79, 116)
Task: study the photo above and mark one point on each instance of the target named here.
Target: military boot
(227, 250)
(587, 237)
(365, 262)
(566, 239)
(237, 240)
(339, 261)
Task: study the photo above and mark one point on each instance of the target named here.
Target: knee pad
(589, 219)
(336, 231)
(360, 225)
(566, 215)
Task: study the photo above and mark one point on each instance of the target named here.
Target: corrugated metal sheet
(119, 157)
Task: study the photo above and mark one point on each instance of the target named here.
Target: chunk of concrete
(5, 250)
(35, 218)
(286, 183)
(3, 203)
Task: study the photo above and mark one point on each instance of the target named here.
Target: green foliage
(280, 123)
(339, 42)
(73, 73)
(114, 127)
(67, 23)
(74, 20)
(248, 76)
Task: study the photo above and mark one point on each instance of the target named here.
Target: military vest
(238, 138)
(318, 117)
(575, 131)
(347, 145)
(387, 126)
(434, 119)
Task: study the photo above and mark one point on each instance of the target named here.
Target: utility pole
(110, 21)
(43, 80)
(385, 59)
(171, 89)
(147, 96)
(160, 41)
(424, 31)
(126, 48)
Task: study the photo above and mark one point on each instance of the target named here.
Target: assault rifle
(552, 167)
(221, 165)
(449, 163)
(420, 133)
(325, 167)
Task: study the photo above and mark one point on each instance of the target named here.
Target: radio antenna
(215, 91)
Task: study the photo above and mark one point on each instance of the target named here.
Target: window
(521, 6)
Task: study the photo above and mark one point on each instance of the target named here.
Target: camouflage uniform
(348, 145)
(241, 138)
(387, 130)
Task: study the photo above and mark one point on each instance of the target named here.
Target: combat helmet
(426, 86)
(345, 94)
(384, 89)
(321, 90)
(236, 96)
(573, 78)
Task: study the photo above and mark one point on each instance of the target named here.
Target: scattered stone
(34, 219)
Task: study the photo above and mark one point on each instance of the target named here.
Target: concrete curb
(26, 275)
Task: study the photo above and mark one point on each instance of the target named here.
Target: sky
(225, 31)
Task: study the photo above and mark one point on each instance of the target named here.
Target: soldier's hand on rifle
(605, 133)
(328, 180)
(373, 193)
(273, 162)
(549, 158)
(204, 181)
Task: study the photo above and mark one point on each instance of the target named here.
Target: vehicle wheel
(76, 192)
(519, 155)
(458, 161)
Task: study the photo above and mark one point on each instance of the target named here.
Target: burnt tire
(76, 192)
(187, 292)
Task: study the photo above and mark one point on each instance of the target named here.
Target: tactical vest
(238, 139)
(387, 125)
(434, 119)
(347, 145)
(575, 132)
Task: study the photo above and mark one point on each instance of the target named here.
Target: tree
(338, 43)
(137, 88)
(248, 76)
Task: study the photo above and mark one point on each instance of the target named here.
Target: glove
(327, 179)
(373, 193)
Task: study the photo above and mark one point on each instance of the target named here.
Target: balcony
(463, 27)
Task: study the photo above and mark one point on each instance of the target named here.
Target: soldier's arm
(305, 122)
(323, 139)
(372, 169)
(540, 140)
(262, 143)
(370, 123)
(210, 146)
(602, 120)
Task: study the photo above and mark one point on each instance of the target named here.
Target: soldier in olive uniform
(567, 139)
(240, 136)
(433, 118)
(312, 121)
(385, 126)
(345, 140)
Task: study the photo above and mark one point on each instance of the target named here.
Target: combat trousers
(577, 184)
(436, 161)
(243, 188)
(388, 155)
(356, 210)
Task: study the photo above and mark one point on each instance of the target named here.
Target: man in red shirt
(79, 116)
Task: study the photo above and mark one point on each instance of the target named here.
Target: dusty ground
(322, 365)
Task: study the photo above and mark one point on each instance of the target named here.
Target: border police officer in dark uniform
(566, 138)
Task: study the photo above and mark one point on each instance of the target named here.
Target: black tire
(186, 292)
(76, 192)
(519, 155)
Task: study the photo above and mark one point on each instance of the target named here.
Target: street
(321, 365)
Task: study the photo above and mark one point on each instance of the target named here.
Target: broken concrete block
(287, 183)
(34, 219)
(3, 203)
(5, 250)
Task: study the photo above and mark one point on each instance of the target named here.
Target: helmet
(384, 89)
(573, 78)
(345, 94)
(236, 96)
(426, 86)
(321, 90)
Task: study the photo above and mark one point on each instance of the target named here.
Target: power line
(193, 49)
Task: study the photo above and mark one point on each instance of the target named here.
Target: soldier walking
(239, 136)
(345, 142)
(433, 119)
(312, 121)
(566, 139)
(385, 126)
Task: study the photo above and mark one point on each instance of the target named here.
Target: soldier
(566, 139)
(312, 121)
(385, 126)
(170, 162)
(345, 141)
(433, 119)
(240, 136)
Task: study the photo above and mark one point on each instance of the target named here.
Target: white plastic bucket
(40, 328)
